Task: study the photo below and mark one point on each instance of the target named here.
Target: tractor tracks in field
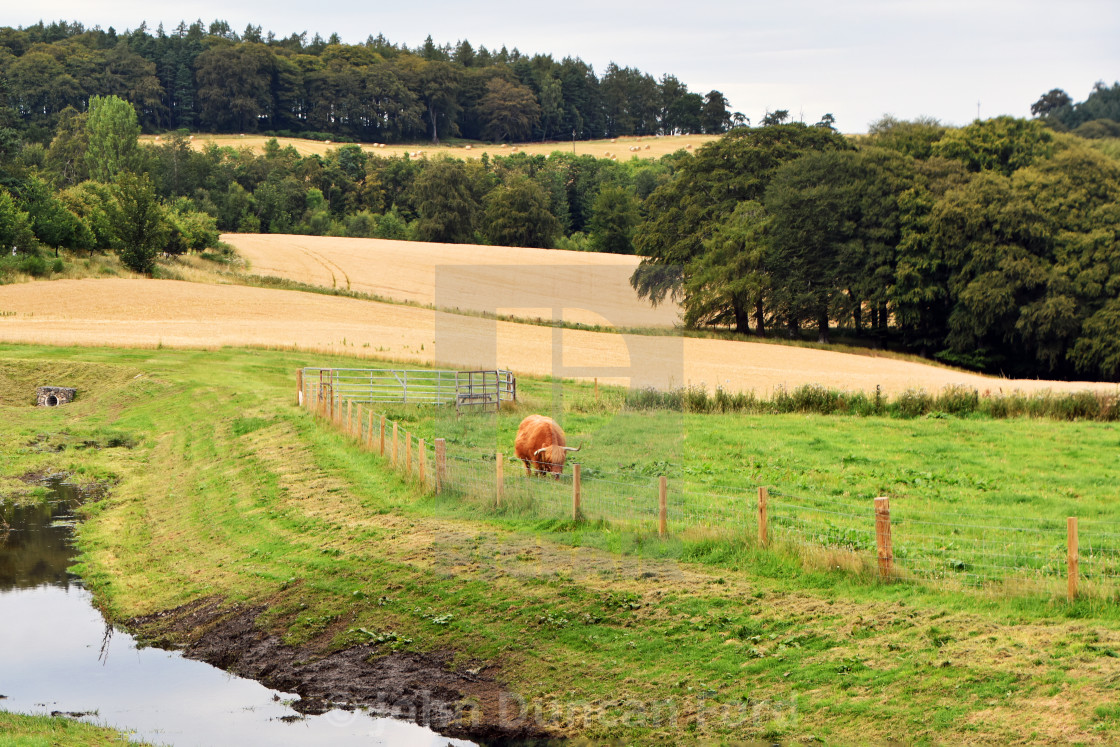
(329, 266)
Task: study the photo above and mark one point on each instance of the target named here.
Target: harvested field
(619, 148)
(592, 288)
(127, 312)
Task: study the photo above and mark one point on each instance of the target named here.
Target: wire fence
(897, 539)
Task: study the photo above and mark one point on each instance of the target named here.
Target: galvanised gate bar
(466, 390)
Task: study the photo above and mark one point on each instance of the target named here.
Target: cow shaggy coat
(541, 445)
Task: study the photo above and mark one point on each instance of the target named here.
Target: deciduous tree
(112, 131)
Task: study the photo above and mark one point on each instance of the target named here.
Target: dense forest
(994, 246)
(211, 78)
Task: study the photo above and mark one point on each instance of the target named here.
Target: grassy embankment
(46, 731)
(223, 489)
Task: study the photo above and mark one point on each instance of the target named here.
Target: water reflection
(35, 540)
(57, 654)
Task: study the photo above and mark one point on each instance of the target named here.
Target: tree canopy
(212, 78)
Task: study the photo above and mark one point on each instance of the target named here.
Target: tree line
(1098, 116)
(995, 246)
(211, 78)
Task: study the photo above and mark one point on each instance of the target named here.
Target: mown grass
(17, 730)
(229, 491)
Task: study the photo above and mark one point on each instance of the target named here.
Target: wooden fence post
(662, 506)
(382, 435)
(763, 530)
(883, 537)
(349, 416)
(408, 452)
(1072, 556)
(423, 463)
(596, 388)
(299, 387)
(369, 432)
(441, 463)
(393, 455)
(499, 478)
(576, 496)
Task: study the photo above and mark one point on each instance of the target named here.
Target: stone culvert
(53, 396)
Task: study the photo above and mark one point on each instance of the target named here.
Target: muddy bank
(415, 687)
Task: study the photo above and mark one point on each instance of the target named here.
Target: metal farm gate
(466, 390)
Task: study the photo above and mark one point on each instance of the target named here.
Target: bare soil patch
(407, 685)
(149, 313)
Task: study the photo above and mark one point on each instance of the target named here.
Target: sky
(856, 59)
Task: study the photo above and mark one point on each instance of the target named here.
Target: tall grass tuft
(957, 401)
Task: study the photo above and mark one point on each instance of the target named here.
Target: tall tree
(614, 216)
(15, 226)
(814, 234)
(112, 131)
(705, 191)
(731, 280)
(447, 195)
(439, 90)
(714, 117)
(138, 222)
(510, 111)
(1050, 102)
(234, 86)
(517, 214)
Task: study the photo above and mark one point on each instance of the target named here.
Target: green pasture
(222, 488)
(975, 501)
(18, 730)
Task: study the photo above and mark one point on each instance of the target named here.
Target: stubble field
(153, 313)
(590, 288)
(649, 146)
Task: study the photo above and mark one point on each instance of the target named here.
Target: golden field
(136, 312)
(590, 288)
(648, 146)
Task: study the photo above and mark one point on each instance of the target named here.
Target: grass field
(618, 148)
(40, 731)
(224, 489)
(134, 312)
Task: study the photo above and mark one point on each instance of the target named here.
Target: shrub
(33, 265)
(957, 400)
(912, 403)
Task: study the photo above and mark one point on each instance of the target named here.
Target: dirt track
(152, 312)
(592, 288)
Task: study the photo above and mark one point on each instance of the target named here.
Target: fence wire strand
(971, 549)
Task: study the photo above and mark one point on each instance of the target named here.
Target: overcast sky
(857, 60)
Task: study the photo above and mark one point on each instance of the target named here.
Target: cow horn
(569, 448)
(538, 451)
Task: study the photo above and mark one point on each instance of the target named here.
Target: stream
(58, 655)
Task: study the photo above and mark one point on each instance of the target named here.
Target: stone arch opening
(54, 396)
